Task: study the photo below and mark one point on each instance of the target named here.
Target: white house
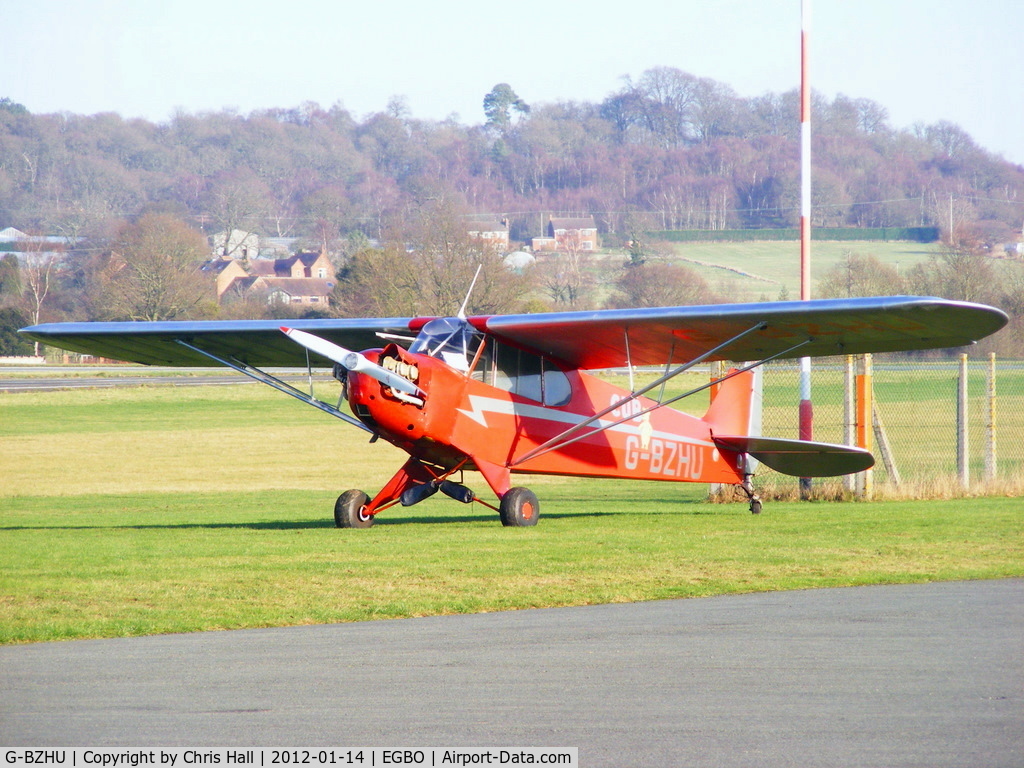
(238, 245)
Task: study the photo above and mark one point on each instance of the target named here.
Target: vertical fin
(736, 409)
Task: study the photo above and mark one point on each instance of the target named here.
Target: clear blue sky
(924, 60)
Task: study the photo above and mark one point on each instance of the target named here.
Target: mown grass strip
(142, 511)
(103, 566)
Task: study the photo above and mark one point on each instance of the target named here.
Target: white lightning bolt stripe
(484, 405)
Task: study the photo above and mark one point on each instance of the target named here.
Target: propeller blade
(353, 361)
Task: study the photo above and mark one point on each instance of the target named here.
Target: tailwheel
(348, 510)
(519, 507)
(755, 500)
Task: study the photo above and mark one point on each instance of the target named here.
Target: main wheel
(348, 510)
(519, 507)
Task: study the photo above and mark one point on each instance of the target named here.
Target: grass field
(752, 271)
(759, 271)
(917, 402)
(154, 509)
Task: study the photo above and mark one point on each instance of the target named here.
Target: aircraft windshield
(449, 339)
(457, 343)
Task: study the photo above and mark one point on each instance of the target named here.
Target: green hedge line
(913, 234)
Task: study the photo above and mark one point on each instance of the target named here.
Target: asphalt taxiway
(41, 379)
(918, 675)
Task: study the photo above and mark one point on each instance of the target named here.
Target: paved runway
(96, 382)
(42, 380)
(922, 675)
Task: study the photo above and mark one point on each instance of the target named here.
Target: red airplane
(508, 394)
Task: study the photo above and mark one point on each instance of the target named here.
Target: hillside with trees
(667, 151)
(686, 151)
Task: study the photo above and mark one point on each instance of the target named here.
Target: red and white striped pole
(806, 410)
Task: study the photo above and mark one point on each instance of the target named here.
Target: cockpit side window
(528, 375)
(514, 370)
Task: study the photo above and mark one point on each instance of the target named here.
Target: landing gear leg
(755, 500)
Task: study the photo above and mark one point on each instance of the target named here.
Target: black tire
(755, 507)
(519, 507)
(348, 510)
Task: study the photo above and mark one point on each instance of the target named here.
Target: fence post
(884, 448)
(962, 468)
(990, 447)
(717, 371)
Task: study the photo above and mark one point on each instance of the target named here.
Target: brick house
(306, 278)
(490, 232)
(295, 290)
(564, 234)
(225, 273)
(301, 265)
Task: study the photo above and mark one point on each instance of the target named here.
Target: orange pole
(865, 431)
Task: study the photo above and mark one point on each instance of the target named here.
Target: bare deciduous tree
(955, 273)
(657, 284)
(428, 269)
(378, 282)
(37, 276)
(153, 272)
(239, 201)
(857, 275)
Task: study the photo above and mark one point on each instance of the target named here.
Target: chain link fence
(929, 436)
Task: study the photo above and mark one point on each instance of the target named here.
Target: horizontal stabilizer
(800, 458)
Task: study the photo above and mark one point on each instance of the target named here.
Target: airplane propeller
(353, 361)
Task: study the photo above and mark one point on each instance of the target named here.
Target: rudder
(736, 407)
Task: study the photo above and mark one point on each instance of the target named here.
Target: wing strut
(564, 439)
(281, 386)
(560, 440)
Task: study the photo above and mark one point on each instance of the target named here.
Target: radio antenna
(462, 309)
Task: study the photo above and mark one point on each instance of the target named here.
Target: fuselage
(484, 414)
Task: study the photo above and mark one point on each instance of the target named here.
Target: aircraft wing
(258, 343)
(588, 340)
(612, 338)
